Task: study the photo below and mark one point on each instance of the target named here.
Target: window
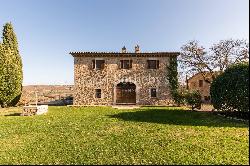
(98, 64)
(153, 92)
(126, 64)
(153, 64)
(98, 93)
(200, 83)
(206, 98)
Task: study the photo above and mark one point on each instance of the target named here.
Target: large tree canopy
(195, 58)
(11, 74)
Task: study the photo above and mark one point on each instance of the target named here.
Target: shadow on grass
(14, 114)
(178, 117)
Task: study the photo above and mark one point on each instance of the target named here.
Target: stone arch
(118, 82)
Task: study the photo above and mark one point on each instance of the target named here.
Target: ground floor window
(206, 98)
(153, 92)
(98, 93)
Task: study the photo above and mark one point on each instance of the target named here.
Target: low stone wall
(34, 110)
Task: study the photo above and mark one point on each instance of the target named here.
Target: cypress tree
(11, 74)
(1, 74)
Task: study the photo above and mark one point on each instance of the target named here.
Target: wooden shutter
(148, 64)
(121, 64)
(102, 64)
(157, 64)
(130, 63)
(93, 64)
(200, 83)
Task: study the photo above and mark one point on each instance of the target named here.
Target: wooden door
(126, 93)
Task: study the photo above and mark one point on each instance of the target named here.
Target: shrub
(230, 90)
(193, 98)
(179, 97)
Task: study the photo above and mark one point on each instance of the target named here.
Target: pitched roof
(207, 74)
(127, 54)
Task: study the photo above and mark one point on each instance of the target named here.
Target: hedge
(230, 90)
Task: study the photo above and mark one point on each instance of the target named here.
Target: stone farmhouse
(198, 83)
(112, 78)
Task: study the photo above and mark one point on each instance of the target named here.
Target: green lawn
(103, 135)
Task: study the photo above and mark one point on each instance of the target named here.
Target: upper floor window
(153, 92)
(153, 64)
(126, 64)
(98, 93)
(200, 83)
(98, 64)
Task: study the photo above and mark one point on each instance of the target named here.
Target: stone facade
(197, 82)
(87, 79)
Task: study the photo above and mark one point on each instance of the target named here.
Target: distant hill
(45, 93)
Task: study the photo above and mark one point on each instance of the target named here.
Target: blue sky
(47, 30)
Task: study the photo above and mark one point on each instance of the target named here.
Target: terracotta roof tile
(127, 54)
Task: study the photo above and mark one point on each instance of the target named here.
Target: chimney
(124, 49)
(137, 49)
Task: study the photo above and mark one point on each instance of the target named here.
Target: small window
(98, 93)
(206, 98)
(126, 64)
(200, 83)
(98, 64)
(153, 64)
(153, 92)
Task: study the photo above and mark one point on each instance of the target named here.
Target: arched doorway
(126, 93)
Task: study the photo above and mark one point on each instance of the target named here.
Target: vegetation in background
(173, 78)
(188, 98)
(103, 135)
(193, 99)
(230, 91)
(11, 74)
(179, 97)
(195, 58)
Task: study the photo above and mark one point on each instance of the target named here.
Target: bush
(193, 98)
(230, 90)
(179, 97)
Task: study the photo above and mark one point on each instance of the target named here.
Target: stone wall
(88, 79)
(193, 84)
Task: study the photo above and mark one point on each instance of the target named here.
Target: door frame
(126, 96)
(137, 88)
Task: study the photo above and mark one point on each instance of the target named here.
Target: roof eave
(117, 54)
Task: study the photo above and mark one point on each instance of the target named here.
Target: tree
(11, 68)
(173, 79)
(230, 90)
(195, 59)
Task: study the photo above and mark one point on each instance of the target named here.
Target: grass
(103, 135)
